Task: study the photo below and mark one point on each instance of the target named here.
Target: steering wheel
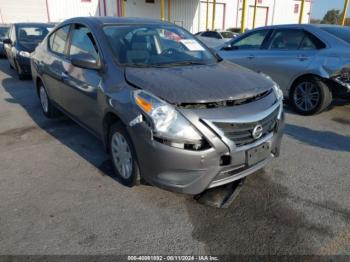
(169, 51)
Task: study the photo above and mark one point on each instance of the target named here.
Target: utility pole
(162, 17)
(244, 14)
(207, 17)
(301, 11)
(345, 11)
(254, 16)
(214, 11)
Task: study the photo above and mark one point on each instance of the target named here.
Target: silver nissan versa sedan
(310, 62)
(166, 108)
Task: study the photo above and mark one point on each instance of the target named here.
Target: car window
(3, 32)
(227, 34)
(32, 33)
(251, 41)
(155, 45)
(211, 34)
(83, 42)
(288, 39)
(58, 39)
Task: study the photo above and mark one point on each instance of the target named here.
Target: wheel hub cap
(122, 155)
(44, 100)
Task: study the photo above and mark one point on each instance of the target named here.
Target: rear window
(227, 34)
(340, 32)
(32, 33)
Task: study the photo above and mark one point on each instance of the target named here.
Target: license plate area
(258, 154)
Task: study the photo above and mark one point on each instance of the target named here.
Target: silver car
(311, 63)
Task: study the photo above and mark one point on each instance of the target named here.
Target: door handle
(251, 56)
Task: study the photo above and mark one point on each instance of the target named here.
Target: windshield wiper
(180, 63)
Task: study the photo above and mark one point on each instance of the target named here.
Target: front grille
(241, 133)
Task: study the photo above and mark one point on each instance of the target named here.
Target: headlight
(24, 53)
(276, 88)
(343, 78)
(167, 122)
(278, 91)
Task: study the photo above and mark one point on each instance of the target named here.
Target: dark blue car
(22, 40)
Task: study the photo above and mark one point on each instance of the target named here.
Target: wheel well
(108, 120)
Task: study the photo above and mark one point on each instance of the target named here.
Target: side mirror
(85, 60)
(7, 41)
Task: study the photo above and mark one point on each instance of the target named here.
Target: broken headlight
(343, 78)
(167, 123)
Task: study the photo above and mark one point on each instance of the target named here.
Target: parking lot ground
(59, 196)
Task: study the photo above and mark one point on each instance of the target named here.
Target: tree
(331, 17)
(315, 21)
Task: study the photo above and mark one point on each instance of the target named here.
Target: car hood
(199, 83)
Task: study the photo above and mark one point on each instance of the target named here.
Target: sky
(320, 7)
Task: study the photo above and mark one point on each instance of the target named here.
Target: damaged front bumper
(193, 171)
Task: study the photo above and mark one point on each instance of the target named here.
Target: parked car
(22, 40)
(309, 62)
(236, 30)
(165, 107)
(224, 35)
(3, 35)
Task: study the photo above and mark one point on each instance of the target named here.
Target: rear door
(247, 50)
(80, 89)
(288, 53)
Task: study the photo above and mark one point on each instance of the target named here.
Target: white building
(190, 14)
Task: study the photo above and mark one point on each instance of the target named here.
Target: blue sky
(320, 7)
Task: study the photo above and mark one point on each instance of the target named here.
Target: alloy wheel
(306, 96)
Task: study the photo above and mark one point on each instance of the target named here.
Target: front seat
(140, 49)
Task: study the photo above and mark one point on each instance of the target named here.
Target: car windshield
(227, 34)
(3, 32)
(156, 45)
(340, 32)
(33, 33)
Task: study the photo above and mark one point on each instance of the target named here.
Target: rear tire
(47, 107)
(123, 155)
(310, 95)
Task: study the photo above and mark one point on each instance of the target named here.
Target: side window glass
(307, 44)
(311, 42)
(58, 39)
(83, 42)
(252, 41)
(286, 39)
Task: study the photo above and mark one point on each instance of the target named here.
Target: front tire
(47, 107)
(310, 95)
(123, 155)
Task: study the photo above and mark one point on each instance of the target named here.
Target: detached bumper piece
(221, 197)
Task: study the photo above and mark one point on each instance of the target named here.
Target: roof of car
(115, 20)
(31, 24)
(298, 26)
